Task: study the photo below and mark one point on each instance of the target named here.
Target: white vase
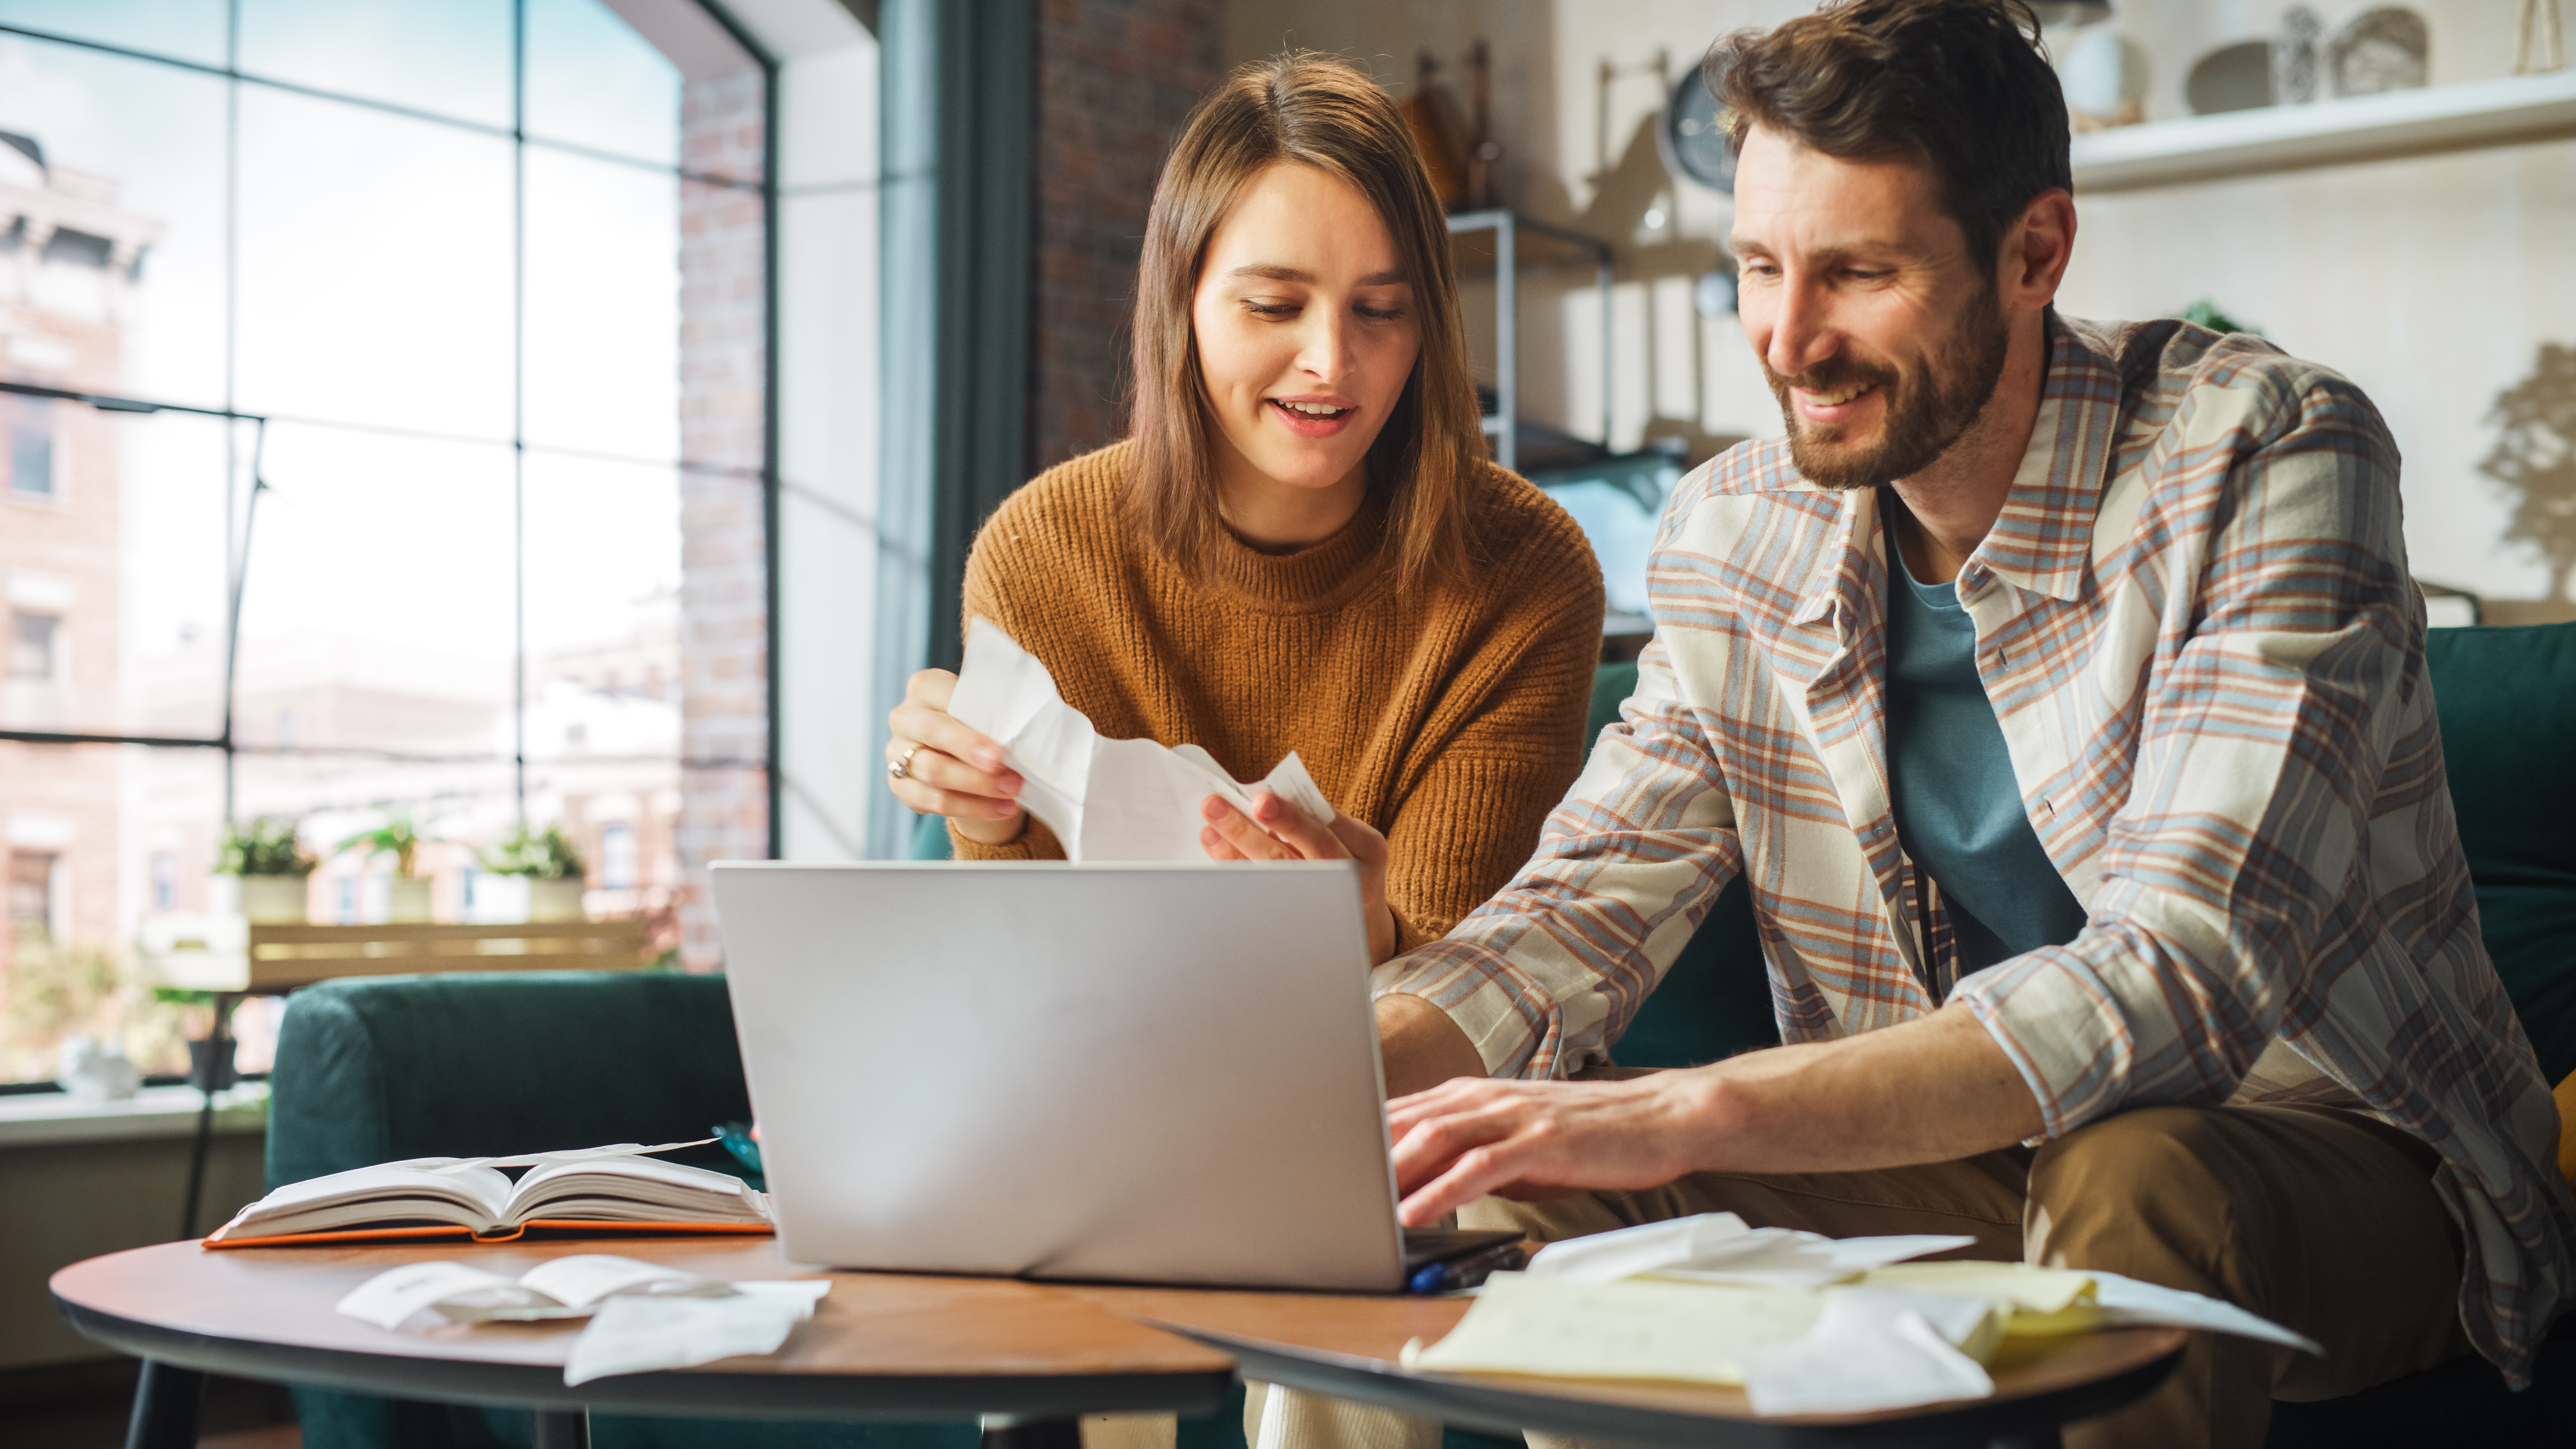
(500, 900)
(406, 900)
(555, 900)
(275, 899)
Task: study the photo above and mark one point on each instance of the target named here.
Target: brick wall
(1115, 80)
(724, 623)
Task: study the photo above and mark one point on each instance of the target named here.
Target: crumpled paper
(643, 1316)
(1720, 1248)
(1806, 1324)
(1104, 799)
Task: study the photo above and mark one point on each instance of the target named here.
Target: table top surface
(890, 1342)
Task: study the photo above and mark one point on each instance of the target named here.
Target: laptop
(1151, 1073)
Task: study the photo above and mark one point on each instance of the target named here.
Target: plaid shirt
(2195, 622)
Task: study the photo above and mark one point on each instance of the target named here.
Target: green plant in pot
(548, 864)
(407, 894)
(271, 865)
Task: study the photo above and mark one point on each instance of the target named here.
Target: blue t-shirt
(1958, 809)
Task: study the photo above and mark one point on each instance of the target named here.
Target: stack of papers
(1104, 799)
(643, 1316)
(1803, 1323)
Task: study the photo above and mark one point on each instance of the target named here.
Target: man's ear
(2037, 248)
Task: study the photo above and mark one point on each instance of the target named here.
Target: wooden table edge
(1504, 1407)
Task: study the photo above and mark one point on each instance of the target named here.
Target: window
(29, 425)
(32, 647)
(450, 311)
(617, 856)
(31, 893)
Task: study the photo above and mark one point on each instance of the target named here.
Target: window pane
(112, 575)
(188, 29)
(604, 674)
(592, 81)
(126, 295)
(603, 310)
(378, 613)
(446, 57)
(375, 268)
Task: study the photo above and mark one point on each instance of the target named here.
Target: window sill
(44, 1119)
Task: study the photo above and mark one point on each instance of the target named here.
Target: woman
(1301, 545)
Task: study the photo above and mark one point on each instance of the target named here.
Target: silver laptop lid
(1151, 1073)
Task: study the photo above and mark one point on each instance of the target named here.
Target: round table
(1025, 1357)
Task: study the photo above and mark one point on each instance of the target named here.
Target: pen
(1465, 1272)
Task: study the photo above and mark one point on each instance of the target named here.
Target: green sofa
(374, 1069)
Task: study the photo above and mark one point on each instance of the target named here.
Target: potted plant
(550, 866)
(269, 866)
(406, 895)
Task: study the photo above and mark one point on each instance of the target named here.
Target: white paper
(2128, 1301)
(531, 1159)
(1104, 799)
(1719, 1248)
(632, 1335)
(1871, 1350)
(1526, 1324)
(397, 1293)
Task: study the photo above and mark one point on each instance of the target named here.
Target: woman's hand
(1279, 831)
(949, 769)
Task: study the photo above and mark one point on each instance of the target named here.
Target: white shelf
(2464, 117)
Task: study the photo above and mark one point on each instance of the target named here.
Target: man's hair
(1313, 111)
(1959, 87)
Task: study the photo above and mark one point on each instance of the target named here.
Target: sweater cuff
(1035, 843)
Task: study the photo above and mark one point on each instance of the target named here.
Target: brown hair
(1326, 114)
(1959, 87)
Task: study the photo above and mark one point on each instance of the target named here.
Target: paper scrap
(1104, 799)
(632, 1335)
(2128, 1301)
(1872, 1350)
(1719, 1248)
(397, 1293)
(2029, 1289)
(528, 1159)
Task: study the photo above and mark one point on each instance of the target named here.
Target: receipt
(638, 1335)
(1104, 799)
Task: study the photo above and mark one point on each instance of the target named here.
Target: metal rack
(1545, 245)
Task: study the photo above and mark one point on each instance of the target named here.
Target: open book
(594, 1190)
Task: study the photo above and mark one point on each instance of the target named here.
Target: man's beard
(1924, 416)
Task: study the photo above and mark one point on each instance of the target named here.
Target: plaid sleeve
(2284, 668)
(1543, 977)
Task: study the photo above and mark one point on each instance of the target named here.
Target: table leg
(1031, 1431)
(165, 1408)
(2036, 1439)
(560, 1429)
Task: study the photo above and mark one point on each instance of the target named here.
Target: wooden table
(1026, 1357)
(1347, 1348)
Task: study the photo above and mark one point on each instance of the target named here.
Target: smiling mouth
(1839, 397)
(1315, 411)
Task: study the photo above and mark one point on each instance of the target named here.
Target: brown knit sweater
(1453, 722)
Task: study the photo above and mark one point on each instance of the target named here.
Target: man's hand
(1929, 1091)
(1528, 1140)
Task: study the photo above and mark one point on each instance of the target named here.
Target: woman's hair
(1321, 113)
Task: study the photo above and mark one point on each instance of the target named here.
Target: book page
(635, 1189)
(471, 1197)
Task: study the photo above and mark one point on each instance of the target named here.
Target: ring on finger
(901, 769)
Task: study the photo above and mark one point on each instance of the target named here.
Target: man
(2060, 688)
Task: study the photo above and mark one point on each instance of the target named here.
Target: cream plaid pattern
(2195, 620)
